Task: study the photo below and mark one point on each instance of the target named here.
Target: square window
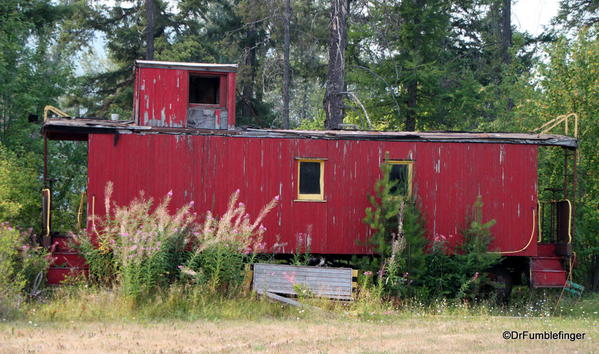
(204, 89)
(310, 179)
(401, 175)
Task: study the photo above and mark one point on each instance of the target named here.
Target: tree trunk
(506, 31)
(286, 68)
(150, 30)
(412, 102)
(249, 75)
(333, 100)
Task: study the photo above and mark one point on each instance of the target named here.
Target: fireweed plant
(143, 249)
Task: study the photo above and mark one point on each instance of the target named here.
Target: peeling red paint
(207, 169)
(161, 96)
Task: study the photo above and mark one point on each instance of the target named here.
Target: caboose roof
(185, 66)
(79, 128)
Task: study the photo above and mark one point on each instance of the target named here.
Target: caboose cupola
(184, 95)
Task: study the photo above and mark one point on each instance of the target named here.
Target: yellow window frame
(410, 164)
(311, 197)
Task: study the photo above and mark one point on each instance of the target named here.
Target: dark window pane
(309, 178)
(399, 174)
(204, 89)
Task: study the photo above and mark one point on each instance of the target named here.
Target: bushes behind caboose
(412, 266)
(142, 249)
(22, 268)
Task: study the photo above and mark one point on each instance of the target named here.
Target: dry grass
(342, 334)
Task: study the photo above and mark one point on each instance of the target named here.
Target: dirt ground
(430, 333)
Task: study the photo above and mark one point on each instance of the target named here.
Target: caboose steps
(546, 249)
(67, 262)
(58, 274)
(547, 272)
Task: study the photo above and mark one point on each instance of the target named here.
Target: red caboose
(183, 138)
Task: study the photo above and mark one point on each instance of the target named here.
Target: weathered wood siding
(283, 279)
(447, 177)
(161, 97)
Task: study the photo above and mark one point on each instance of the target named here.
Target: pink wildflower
(241, 204)
(191, 204)
(170, 193)
(133, 248)
(262, 228)
(368, 273)
(277, 197)
(125, 234)
(475, 276)
(237, 190)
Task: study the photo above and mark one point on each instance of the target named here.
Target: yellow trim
(532, 235)
(311, 197)
(410, 164)
(569, 216)
(80, 211)
(94, 212)
(540, 221)
(55, 110)
(569, 220)
(48, 205)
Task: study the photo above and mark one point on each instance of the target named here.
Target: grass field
(77, 320)
(322, 333)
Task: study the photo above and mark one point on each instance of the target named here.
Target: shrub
(142, 249)
(22, 268)
(19, 186)
(460, 273)
(398, 236)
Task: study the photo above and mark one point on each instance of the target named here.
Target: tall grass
(142, 250)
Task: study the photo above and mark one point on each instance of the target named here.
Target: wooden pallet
(274, 280)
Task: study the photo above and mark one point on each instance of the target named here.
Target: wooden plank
(284, 279)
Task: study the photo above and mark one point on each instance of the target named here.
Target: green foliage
(401, 250)
(567, 83)
(19, 188)
(23, 269)
(460, 273)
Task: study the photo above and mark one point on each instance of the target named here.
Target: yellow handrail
(48, 205)
(94, 213)
(569, 217)
(539, 221)
(545, 128)
(569, 220)
(532, 234)
(80, 211)
(55, 110)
